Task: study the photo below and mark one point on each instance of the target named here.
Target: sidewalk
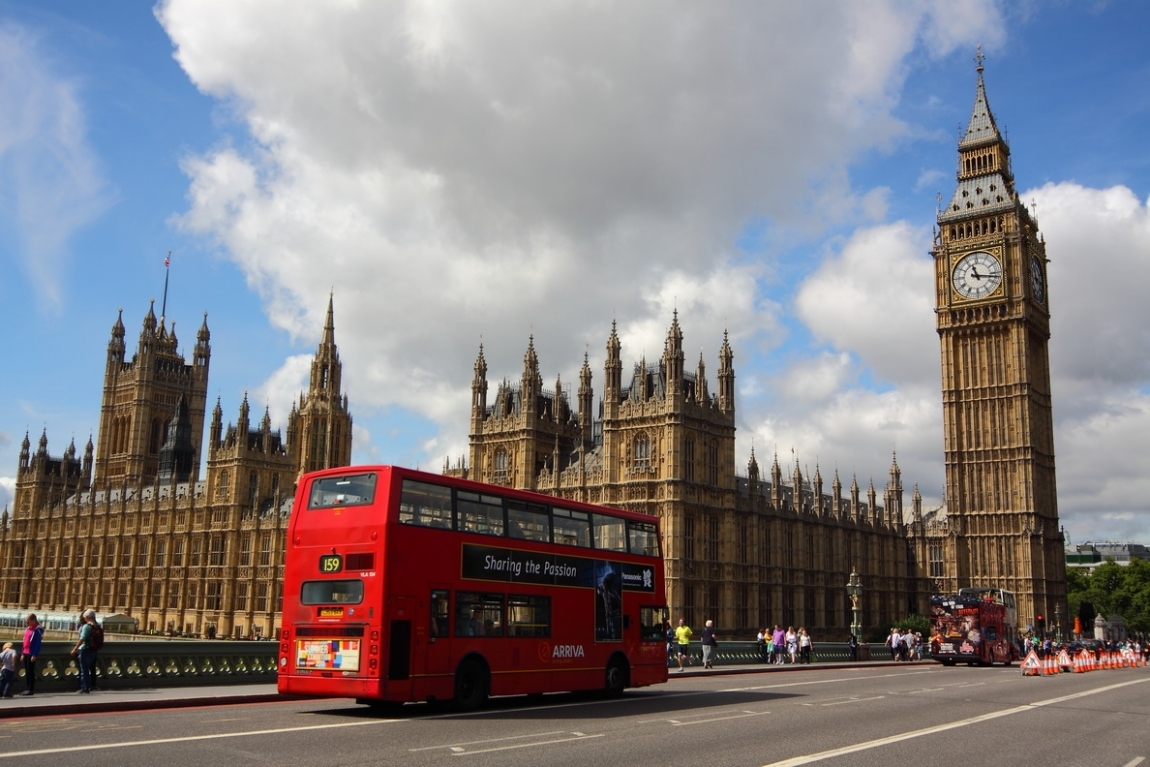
(100, 701)
(66, 703)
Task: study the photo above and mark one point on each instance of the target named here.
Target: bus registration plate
(328, 654)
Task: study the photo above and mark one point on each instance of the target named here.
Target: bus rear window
(348, 592)
(330, 492)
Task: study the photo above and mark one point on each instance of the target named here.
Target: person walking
(764, 646)
(893, 641)
(33, 637)
(853, 647)
(709, 644)
(804, 646)
(683, 639)
(780, 639)
(792, 644)
(85, 651)
(7, 670)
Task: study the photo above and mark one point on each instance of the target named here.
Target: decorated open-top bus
(401, 586)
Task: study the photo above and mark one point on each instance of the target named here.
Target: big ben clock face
(977, 275)
(1037, 284)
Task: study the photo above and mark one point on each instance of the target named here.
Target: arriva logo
(567, 651)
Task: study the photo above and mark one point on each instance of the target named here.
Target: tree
(1112, 590)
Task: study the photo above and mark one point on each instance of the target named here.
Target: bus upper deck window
(610, 533)
(425, 505)
(479, 513)
(528, 521)
(571, 528)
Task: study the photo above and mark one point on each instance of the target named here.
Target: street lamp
(854, 591)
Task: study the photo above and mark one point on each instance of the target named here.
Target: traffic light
(1040, 622)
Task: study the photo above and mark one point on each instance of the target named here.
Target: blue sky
(458, 171)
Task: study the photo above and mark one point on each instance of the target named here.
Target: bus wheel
(616, 678)
(470, 686)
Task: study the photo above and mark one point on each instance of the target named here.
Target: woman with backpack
(90, 641)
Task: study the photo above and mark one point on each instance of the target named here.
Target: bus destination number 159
(330, 563)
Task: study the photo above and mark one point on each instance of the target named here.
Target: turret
(673, 359)
(25, 451)
(586, 400)
(613, 374)
(116, 345)
(203, 351)
(217, 426)
(726, 378)
(479, 392)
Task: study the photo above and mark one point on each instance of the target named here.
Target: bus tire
(616, 677)
(471, 685)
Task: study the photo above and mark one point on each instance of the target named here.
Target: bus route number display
(331, 563)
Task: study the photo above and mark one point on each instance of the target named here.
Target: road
(839, 717)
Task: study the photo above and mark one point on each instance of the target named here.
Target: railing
(126, 665)
(750, 653)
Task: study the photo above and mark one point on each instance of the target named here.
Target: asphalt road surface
(840, 717)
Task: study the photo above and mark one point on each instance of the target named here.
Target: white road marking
(460, 746)
(189, 738)
(808, 758)
(825, 681)
(853, 700)
(1135, 761)
(576, 736)
(738, 715)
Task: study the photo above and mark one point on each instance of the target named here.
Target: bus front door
(434, 675)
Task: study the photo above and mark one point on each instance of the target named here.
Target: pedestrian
(764, 646)
(709, 644)
(85, 651)
(804, 646)
(792, 644)
(893, 642)
(853, 647)
(780, 639)
(670, 632)
(7, 670)
(683, 639)
(33, 637)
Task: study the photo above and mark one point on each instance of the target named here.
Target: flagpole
(167, 271)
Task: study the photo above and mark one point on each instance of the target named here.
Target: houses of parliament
(133, 527)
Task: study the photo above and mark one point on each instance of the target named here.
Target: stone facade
(745, 551)
(135, 528)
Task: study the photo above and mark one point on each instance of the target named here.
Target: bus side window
(425, 505)
(528, 521)
(440, 613)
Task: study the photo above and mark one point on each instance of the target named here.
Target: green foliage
(1111, 590)
(919, 623)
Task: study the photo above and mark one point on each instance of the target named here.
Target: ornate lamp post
(854, 591)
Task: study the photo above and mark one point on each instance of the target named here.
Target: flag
(168, 259)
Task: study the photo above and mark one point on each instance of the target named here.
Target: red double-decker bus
(405, 586)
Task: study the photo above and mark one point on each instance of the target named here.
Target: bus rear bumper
(334, 686)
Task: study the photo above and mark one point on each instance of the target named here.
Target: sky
(457, 173)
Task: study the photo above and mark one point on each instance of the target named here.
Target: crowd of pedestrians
(90, 638)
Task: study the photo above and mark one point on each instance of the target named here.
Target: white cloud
(7, 492)
(50, 183)
(456, 169)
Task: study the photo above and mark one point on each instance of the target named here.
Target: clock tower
(993, 317)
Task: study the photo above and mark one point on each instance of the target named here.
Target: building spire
(981, 128)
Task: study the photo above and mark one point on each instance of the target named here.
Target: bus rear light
(375, 649)
(375, 636)
(373, 664)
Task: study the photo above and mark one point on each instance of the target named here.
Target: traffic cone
(1079, 664)
(1048, 667)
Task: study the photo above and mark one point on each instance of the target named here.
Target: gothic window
(246, 550)
(744, 542)
(38, 562)
(197, 551)
(126, 554)
(161, 553)
(936, 560)
(713, 463)
(212, 596)
(138, 595)
(253, 486)
(142, 554)
(275, 483)
(713, 539)
(502, 465)
(688, 536)
(743, 606)
(217, 551)
(266, 549)
(174, 595)
(222, 487)
(689, 460)
(178, 554)
(52, 555)
(241, 598)
(261, 597)
(810, 548)
(155, 601)
(642, 451)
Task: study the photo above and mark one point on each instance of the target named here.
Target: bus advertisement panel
(406, 586)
